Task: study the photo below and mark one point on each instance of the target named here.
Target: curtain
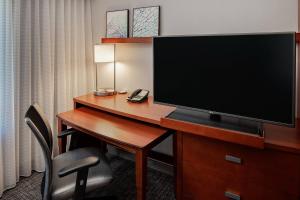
(45, 57)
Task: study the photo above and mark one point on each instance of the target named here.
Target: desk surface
(276, 137)
(117, 104)
(111, 127)
(283, 138)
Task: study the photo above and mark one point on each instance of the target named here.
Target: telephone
(138, 96)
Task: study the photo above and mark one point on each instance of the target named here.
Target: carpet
(160, 186)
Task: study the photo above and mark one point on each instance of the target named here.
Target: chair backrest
(40, 127)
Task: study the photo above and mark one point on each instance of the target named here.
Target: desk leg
(178, 172)
(175, 163)
(141, 174)
(62, 142)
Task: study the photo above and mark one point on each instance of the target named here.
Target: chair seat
(99, 175)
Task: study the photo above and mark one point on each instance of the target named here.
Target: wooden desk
(269, 167)
(283, 138)
(93, 116)
(146, 111)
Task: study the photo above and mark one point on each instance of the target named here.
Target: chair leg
(103, 147)
(80, 184)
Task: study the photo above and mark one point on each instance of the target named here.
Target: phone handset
(136, 92)
(138, 96)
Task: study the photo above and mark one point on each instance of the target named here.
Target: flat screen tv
(250, 76)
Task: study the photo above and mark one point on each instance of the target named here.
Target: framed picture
(117, 24)
(146, 21)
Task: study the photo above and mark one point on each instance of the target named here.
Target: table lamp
(104, 53)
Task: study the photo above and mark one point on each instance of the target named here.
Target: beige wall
(185, 17)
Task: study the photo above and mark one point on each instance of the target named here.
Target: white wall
(184, 17)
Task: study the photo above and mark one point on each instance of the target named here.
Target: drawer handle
(233, 159)
(231, 195)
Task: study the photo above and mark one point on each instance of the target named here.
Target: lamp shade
(104, 53)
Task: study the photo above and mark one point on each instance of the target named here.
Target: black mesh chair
(72, 174)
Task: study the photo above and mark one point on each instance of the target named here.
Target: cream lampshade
(104, 53)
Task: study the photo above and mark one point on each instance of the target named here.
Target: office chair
(72, 174)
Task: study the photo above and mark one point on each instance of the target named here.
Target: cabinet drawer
(272, 174)
(211, 168)
(213, 154)
(199, 183)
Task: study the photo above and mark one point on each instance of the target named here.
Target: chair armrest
(66, 133)
(79, 165)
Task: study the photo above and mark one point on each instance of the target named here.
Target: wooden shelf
(147, 40)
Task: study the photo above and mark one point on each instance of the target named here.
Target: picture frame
(142, 25)
(117, 23)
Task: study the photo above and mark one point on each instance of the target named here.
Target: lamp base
(105, 92)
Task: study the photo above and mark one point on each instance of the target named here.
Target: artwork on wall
(117, 24)
(146, 21)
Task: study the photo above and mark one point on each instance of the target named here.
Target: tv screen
(250, 76)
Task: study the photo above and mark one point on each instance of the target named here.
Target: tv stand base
(231, 123)
(215, 117)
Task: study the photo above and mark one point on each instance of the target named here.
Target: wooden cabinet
(213, 169)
